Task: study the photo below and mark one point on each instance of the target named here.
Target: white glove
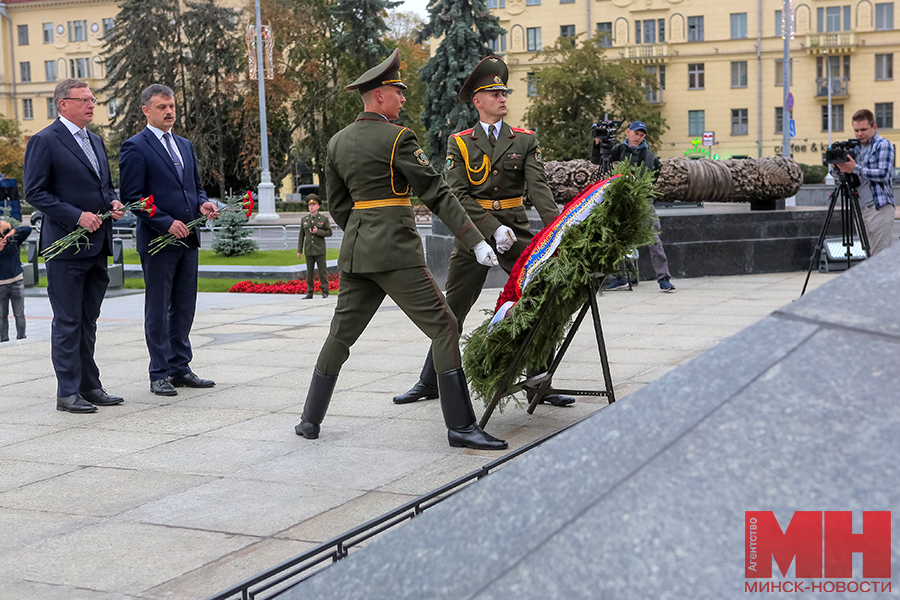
(485, 255)
(505, 238)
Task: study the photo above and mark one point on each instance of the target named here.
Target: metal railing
(257, 233)
(275, 581)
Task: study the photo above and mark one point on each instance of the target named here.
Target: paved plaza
(182, 497)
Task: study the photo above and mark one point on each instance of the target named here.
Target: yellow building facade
(43, 42)
(719, 65)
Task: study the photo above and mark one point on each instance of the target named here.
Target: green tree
(579, 87)
(233, 239)
(403, 31)
(467, 27)
(212, 66)
(12, 151)
(141, 49)
(358, 28)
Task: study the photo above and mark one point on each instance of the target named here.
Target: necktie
(492, 136)
(89, 150)
(179, 168)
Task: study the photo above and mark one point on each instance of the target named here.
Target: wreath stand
(540, 384)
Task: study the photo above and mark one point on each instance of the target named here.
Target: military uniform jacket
(512, 163)
(373, 159)
(313, 244)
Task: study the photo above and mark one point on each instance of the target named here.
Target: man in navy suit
(67, 177)
(160, 163)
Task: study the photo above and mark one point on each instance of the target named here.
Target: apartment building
(719, 65)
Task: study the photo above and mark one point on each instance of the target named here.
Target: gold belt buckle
(496, 205)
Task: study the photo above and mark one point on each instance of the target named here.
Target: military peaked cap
(386, 73)
(490, 74)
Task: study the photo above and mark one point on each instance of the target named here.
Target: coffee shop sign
(813, 147)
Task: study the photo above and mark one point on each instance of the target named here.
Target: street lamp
(266, 191)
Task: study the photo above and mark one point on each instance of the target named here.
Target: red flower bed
(284, 287)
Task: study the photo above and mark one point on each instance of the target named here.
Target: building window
(48, 33)
(739, 74)
(884, 16)
(534, 39)
(840, 67)
(695, 29)
(779, 72)
(532, 2)
(739, 121)
(884, 67)
(108, 25)
(695, 76)
(696, 122)
(567, 31)
(80, 68)
(493, 45)
(23, 35)
(112, 107)
(604, 34)
(637, 32)
(884, 115)
(532, 85)
(837, 117)
(27, 109)
(502, 42)
(492, 4)
(829, 19)
(25, 72)
(779, 24)
(77, 31)
(738, 26)
(52, 113)
(50, 70)
(779, 115)
(656, 78)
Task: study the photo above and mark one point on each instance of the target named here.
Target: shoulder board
(466, 132)
(520, 130)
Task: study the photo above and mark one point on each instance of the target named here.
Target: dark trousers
(415, 292)
(76, 287)
(170, 300)
(322, 265)
(12, 293)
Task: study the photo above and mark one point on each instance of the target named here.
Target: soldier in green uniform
(314, 228)
(489, 167)
(372, 167)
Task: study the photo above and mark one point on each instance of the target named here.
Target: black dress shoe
(101, 398)
(308, 296)
(475, 437)
(74, 404)
(162, 387)
(420, 391)
(324, 294)
(554, 399)
(308, 430)
(191, 380)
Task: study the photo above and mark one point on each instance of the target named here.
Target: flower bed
(284, 287)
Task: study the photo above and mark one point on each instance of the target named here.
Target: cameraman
(638, 153)
(12, 279)
(873, 162)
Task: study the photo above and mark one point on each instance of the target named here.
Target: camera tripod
(851, 215)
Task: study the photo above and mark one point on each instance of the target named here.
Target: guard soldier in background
(314, 228)
(372, 167)
(488, 168)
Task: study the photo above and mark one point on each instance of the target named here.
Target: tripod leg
(818, 249)
(861, 225)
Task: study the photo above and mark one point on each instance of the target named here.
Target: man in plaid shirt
(873, 162)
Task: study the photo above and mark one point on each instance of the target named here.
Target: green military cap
(387, 73)
(312, 198)
(490, 74)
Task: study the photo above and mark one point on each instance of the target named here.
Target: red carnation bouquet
(79, 237)
(245, 203)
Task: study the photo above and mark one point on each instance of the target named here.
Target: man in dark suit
(67, 177)
(160, 163)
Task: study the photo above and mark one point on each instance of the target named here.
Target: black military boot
(459, 416)
(425, 389)
(317, 399)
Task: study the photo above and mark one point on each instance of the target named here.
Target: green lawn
(268, 258)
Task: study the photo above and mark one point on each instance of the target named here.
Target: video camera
(605, 130)
(837, 153)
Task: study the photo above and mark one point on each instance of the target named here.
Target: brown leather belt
(363, 204)
(499, 204)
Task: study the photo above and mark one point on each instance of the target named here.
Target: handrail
(339, 547)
